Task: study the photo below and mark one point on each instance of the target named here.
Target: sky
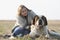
(48, 8)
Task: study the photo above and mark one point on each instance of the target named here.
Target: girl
(23, 21)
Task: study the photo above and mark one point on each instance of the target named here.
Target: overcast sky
(49, 8)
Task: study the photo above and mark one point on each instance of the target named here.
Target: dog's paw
(47, 36)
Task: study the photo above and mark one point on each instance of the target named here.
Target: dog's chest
(36, 30)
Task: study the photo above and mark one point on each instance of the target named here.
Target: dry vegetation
(6, 27)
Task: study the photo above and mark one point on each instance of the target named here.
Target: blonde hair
(20, 8)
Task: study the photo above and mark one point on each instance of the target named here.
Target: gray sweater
(22, 22)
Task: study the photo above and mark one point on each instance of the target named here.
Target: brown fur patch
(35, 19)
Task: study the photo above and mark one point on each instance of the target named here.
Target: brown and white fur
(39, 27)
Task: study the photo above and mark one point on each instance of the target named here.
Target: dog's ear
(35, 19)
(45, 20)
(33, 22)
(37, 22)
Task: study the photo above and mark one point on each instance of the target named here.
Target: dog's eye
(40, 22)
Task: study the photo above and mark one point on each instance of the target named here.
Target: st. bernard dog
(39, 27)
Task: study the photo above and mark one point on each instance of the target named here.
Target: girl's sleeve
(19, 21)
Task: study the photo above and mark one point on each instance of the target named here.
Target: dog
(38, 27)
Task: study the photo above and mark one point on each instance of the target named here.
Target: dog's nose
(40, 22)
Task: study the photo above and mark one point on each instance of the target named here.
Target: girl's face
(24, 12)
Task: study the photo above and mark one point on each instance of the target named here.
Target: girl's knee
(18, 31)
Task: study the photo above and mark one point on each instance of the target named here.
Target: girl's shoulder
(31, 11)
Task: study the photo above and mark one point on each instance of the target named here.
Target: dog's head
(37, 22)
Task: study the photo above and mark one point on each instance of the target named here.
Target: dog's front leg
(46, 32)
